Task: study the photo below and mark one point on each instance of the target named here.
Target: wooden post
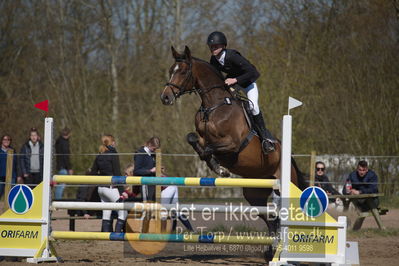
(9, 168)
(312, 168)
(158, 172)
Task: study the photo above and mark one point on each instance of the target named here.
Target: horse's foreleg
(193, 140)
(205, 154)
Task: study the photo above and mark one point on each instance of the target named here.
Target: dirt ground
(374, 248)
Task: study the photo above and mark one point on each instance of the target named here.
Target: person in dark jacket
(241, 72)
(321, 180)
(363, 181)
(64, 166)
(31, 159)
(107, 164)
(144, 165)
(5, 148)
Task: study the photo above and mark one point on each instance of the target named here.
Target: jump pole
(140, 207)
(168, 181)
(176, 238)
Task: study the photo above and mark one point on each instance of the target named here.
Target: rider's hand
(230, 81)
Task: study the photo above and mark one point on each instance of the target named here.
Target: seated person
(131, 193)
(321, 180)
(362, 181)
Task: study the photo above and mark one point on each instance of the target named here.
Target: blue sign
(314, 201)
(20, 199)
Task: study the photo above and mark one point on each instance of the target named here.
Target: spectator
(321, 179)
(131, 193)
(128, 194)
(5, 147)
(144, 165)
(363, 181)
(107, 164)
(63, 161)
(31, 159)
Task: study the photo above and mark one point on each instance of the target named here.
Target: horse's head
(181, 77)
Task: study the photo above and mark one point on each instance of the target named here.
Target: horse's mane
(214, 70)
(182, 57)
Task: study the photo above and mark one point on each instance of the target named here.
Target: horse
(225, 140)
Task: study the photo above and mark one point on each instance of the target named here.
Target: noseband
(182, 88)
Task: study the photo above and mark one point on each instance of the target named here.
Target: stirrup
(267, 146)
(273, 141)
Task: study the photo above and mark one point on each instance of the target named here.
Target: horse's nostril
(165, 99)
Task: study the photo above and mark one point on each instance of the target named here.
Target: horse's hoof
(224, 172)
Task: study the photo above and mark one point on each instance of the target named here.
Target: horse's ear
(174, 52)
(187, 53)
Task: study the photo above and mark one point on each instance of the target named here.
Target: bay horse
(225, 140)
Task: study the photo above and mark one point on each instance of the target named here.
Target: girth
(206, 111)
(246, 141)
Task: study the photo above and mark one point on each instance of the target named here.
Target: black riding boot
(184, 220)
(267, 138)
(106, 226)
(120, 226)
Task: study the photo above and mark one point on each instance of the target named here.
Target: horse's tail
(301, 177)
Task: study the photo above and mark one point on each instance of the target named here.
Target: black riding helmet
(217, 37)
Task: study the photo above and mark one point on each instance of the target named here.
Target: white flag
(292, 103)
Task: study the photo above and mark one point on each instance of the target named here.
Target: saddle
(245, 103)
(246, 106)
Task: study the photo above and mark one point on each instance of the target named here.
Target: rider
(240, 71)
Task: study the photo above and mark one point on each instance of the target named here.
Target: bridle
(182, 88)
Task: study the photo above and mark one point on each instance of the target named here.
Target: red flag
(42, 105)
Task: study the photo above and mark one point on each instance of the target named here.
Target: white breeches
(170, 195)
(252, 94)
(108, 194)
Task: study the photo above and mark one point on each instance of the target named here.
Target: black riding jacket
(107, 164)
(238, 67)
(143, 163)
